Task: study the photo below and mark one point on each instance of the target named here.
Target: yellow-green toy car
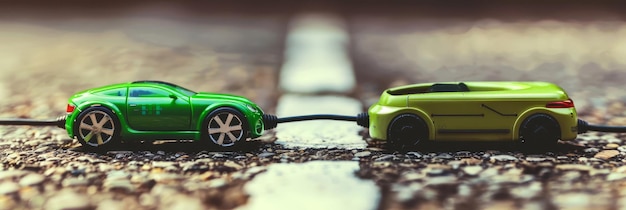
(535, 113)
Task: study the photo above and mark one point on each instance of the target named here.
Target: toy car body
(155, 110)
(535, 112)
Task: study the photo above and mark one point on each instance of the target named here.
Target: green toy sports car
(155, 110)
(535, 113)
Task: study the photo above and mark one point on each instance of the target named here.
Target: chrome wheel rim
(225, 129)
(96, 128)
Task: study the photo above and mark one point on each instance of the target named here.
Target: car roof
(495, 89)
(154, 82)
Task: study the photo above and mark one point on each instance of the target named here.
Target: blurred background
(51, 49)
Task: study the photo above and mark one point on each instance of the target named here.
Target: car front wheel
(225, 127)
(97, 127)
(406, 130)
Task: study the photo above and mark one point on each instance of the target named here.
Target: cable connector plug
(363, 120)
(270, 121)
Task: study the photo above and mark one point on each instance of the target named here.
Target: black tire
(539, 130)
(406, 131)
(97, 128)
(225, 134)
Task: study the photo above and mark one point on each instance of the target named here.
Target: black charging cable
(59, 122)
(271, 121)
(584, 126)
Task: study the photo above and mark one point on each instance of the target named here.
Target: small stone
(415, 154)
(216, 183)
(32, 179)
(406, 193)
(116, 175)
(570, 176)
(471, 161)
(77, 172)
(266, 154)
(601, 172)
(441, 180)
(110, 205)
(614, 140)
(502, 158)
(162, 164)
(232, 164)
(535, 159)
(362, 154)
(187, 203)
(119, 186)
(574, 167)
(472, 170)
(8, 188)
(489, 172)
(67, 200)
(455, 164)
(615, 176)
(11, 174)
(218, 155)
(412, 176)
(592, 150)
(578, 200)
(463, 154)
(435, 172)
(606, 154)
(611, 146)
(166, 178)
(444, 156)
(621, 169)
(42, 149)
(146, 199)
(527, 192)
(385, 158)
(74, 182)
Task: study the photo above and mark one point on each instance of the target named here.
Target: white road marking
(316, 59)
(312, 185)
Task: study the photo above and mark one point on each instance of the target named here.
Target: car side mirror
(173, 97)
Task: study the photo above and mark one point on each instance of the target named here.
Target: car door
(460, 116)
(152, 108)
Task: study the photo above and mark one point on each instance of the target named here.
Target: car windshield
(179, 88)
(185, 91)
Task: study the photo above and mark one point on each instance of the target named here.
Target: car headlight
(251, 108)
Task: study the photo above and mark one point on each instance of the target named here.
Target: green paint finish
(159, 111)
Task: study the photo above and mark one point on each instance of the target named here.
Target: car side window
(147, 92)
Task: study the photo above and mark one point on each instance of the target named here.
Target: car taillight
(70, 108)
(561, 104)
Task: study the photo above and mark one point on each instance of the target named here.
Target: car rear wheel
(406, 131)
(539, 130)
(97, 127)
(226, 127)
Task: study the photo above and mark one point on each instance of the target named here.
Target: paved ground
(43, 169)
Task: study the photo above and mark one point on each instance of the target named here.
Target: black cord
(316, 117)
(584, 126)
(271, 121)
(60, 122)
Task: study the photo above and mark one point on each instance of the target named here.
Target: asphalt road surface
(308, 165)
